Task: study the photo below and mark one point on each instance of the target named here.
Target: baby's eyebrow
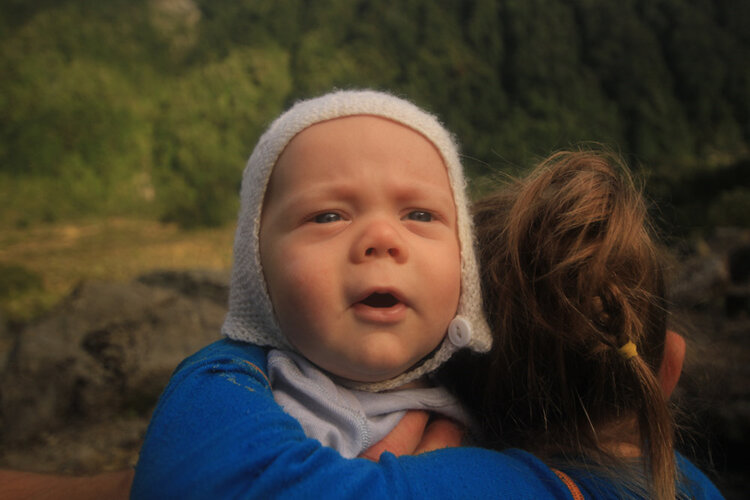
(346, 191)
(423, 191)
(323, 191)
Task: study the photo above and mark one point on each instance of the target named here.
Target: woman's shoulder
(693, 482)
(603, 483)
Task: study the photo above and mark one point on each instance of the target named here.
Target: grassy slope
(110, 249)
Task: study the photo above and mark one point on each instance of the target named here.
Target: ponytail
(571, 279)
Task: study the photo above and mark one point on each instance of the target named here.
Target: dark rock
(699, 281)
(212, 285)
(108, 349)
(7, 341)
(738, 292)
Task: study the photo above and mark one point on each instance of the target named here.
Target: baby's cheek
(308, 282)
(300, 272)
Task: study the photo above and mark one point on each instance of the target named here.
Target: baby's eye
(420, 216)
(326, 217)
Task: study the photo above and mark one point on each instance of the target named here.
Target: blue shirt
(218, 433)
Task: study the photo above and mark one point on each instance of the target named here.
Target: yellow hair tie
(628, 351)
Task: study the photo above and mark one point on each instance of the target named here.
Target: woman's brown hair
(570, 275)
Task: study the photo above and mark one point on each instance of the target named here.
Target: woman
(582, 364)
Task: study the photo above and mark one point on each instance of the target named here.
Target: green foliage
(71, 112)
(206, 128)
(75, 131)
(152, 106)
(702, 198)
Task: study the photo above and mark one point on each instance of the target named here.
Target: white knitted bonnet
(251, 318)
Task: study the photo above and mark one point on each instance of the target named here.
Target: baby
(354, 262)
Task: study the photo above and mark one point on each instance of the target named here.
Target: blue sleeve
(218, 433)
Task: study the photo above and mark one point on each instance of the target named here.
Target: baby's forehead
(349, 145)
(357, 127)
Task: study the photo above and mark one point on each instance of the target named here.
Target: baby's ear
(671, 364)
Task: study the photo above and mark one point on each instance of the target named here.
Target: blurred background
(125, 126)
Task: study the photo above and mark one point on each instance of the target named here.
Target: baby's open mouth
(383, 300)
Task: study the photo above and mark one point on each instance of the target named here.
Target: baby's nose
(378, 239)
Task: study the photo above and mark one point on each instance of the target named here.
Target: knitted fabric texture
(250, 317)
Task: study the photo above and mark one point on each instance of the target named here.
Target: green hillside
(151, 107)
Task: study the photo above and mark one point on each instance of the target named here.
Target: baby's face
(359, 247)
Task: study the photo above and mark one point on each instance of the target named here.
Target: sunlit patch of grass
(114, 249)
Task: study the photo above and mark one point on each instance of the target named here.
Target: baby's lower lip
(381, 315)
